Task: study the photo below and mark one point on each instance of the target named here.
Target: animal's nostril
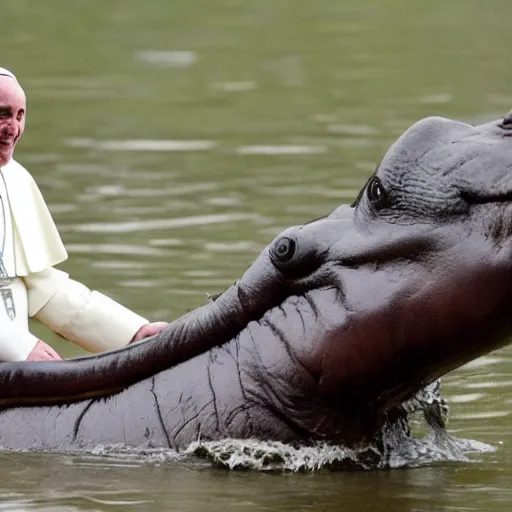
(284, 249)
(295, 256)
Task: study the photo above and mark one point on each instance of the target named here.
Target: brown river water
(174, 140)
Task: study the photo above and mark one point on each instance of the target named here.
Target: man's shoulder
(14, 165)
(14, 168)
(17, 178)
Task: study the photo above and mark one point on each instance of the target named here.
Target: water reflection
(91, 483)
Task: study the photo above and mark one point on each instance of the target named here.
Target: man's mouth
(6, 142)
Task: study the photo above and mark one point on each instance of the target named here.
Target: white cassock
(30, 246)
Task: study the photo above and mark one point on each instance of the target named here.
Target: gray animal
(334, 325)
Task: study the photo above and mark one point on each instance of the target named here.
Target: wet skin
(332, 327)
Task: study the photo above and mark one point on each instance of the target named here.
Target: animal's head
(412, 281)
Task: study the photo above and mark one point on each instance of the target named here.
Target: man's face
(12, 116)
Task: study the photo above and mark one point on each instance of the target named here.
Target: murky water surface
(173, 140)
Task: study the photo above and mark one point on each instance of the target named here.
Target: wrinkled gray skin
(333, 326)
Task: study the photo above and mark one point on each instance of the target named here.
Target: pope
(30, 247)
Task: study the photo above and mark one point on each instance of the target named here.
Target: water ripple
(145, 225)
(481, 362)
(465, 398)
(280, 150)
(167, 58)
(352, 129)
(115, 249)
(142, 145)
(488, 384)
(482, 415)
(234, 86)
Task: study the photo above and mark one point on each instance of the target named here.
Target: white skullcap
(6, 72)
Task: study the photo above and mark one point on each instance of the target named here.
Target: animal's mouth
(474, 198)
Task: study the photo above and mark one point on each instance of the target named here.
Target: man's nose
(7, 126)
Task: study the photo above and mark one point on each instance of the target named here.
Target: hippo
(334, 326)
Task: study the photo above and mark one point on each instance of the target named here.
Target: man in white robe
(30, 246)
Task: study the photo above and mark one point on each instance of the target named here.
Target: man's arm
(88, 318)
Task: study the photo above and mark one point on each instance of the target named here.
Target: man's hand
(149, 330)
(43, 352)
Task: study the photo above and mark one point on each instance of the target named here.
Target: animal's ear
(506, 124)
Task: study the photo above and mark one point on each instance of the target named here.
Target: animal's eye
(376, 193)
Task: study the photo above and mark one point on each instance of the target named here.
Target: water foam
(393, 447)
